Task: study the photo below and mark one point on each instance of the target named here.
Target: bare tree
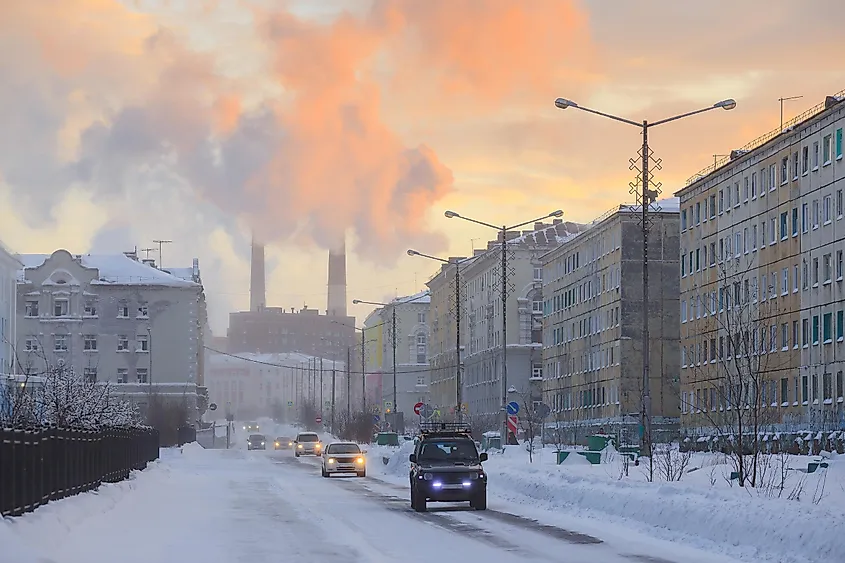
(671, 462)
(732, 363)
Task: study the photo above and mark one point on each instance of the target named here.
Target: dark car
(256, 442)
(282, 443)
(446, 467)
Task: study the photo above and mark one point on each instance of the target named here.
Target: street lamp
(392, 306)
(646, 197)
(459, 368)
(503, 231)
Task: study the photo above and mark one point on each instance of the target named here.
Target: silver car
(307, 443)
(343, 457)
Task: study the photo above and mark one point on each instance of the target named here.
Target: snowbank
(696, 510)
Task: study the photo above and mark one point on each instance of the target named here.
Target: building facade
(592, 311)
(482, 341)
(110, 318)
(762, 296)
(9, 266)
(411, 353)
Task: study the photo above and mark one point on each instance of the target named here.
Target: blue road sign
(513, 408)
(376, 418)
(290, 403)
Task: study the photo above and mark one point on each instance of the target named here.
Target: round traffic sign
(212, 407)
(319, 419)
(513, 408)
(290, 403)
(418, 407)
(376, 418)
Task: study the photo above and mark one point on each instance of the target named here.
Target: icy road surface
(210, 506)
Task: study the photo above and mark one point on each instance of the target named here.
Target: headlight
(473, 476)
(276, 444)
(428, 476)
(290, 444)
(262, 443)
(331, 460)
(317, 446)
(359, 461)
(299, 446)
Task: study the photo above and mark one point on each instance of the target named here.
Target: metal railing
(763, 139)
(41, 464)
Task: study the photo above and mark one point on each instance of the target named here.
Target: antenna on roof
(147, 251)
(160, 257)
(781, 100)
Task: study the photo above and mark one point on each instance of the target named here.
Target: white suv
(307, 443)
(343, 457)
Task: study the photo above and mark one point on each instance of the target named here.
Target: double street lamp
(503, 234)
(646, 197)
(458, 378)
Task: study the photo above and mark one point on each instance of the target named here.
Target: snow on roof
(186, 274)
(553, 234)
(421, 297)
(114, 269)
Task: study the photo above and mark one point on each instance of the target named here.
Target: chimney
(257, 295)
(337, 282)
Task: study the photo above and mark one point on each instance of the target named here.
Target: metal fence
(38, 465)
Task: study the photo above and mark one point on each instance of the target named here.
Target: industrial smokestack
(257, 294)
(336, 303)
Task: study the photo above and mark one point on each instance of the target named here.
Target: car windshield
(256, 438)
(283, 439)
(344, 449)
(448, 450)
(308, 438)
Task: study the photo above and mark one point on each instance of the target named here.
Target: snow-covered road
(254, 507)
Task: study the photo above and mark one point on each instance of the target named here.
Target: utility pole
(160, 257)
(333, 381)
(505, 335)
(349, 385)
(393, 342)
(363, 375)
(321, 385)
(147, 251)
(458, 374)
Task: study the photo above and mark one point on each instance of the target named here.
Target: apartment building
(111, 318)
(592, 321)
(481, 321)
(762, 240)
(411, 353)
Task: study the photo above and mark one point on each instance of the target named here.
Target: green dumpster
(814, 465)
(387, 439)
(561, 456)
(491, 441)
(598, 442)
(592, 457)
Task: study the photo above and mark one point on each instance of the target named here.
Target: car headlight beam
(360, 461)
(331, 460)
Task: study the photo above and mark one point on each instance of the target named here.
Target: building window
(772, 177)
(123, 311)
(143, 343)
(61, 307)
(722, 200)
(805, 160)
(815, 214)
(805, 333)
(839, 143)
(827, 327)
(794, 166)
(122, 343)
(89, 342)
(60, 342)
(143, 311)
(815, 272)
(90, 375)
(421, 317)
(827, 268)
(90, 309)
(32, 308)
(839, 382)
(839, 204)
(805, 218)
(420, 380)
(122, 375)
(538, 274)
(141, 375)
(537, 371)
(815, 155)
(795, 221)
(712, 206)
(783, 226)
(421, 348)
(784, 170)
(31, 344)
(815, 330)
(826, 149)
(840, 329)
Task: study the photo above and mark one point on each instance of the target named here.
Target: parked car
(256, 442)
(343, 457)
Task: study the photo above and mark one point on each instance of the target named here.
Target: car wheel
(419, 503)
(295, 454)
(323, 472)
(362, 474)
(479, 501)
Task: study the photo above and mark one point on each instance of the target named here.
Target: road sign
(418, 408)
(327, 403)
(376, 418)
(212, 407)
(426, 411)
(513, 408)
(512, 424)
(290, 403)
(465, 408)
(388, 405)
(319, 419)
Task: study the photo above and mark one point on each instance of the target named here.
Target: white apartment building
(762, 241)
(481, 322)
(111, 318)
(592, 340)
(9, 266)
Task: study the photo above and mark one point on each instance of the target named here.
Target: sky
(301, 122)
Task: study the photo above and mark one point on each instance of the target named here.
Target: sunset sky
(202, 121)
